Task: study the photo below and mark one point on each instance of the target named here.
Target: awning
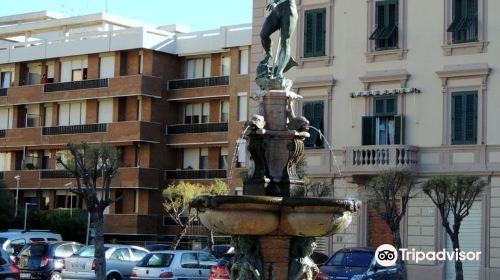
(378, 92)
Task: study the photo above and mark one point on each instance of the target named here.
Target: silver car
(174, 265)
(120, 259)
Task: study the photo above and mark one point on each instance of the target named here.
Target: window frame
(374, 54)
(313, 132)
(314, 33)
(386, 29)
(463, 129)
(327, 58)
(451, 47)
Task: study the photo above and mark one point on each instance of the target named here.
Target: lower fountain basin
(261, 215)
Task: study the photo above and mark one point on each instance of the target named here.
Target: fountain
(273, 233)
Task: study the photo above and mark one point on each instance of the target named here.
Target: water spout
(235, 154)
(329, 147)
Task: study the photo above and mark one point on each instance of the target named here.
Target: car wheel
(113, 277)
(55, 276)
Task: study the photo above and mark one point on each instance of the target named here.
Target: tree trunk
(100, 261)
(211, 243)
(177, 240)
(459, 272)
(396, 235)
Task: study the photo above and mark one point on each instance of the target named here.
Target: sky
(197, 14)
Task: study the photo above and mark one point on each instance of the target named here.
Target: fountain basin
(262, 215)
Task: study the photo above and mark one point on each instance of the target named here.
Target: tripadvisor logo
(387, 255)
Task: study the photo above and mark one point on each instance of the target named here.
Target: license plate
(77, 266)
(26, 275)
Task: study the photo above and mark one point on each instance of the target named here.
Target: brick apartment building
(170, 101)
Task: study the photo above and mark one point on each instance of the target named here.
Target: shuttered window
(387, 23)
(464, 118)
(385, 106)
(313, 112)
(464, 26)
(315, 32)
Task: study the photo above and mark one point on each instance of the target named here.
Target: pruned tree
(454, 197)
(94, 167)
(176, 204)
(390, 192)
(312, 189)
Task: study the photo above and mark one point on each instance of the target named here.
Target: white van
(13, 240)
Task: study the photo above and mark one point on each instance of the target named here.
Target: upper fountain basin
(261, 215)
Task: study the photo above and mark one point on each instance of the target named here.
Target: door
(189, 267)
(470, 240)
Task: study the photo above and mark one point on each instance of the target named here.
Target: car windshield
(156, 260)
(358, 259)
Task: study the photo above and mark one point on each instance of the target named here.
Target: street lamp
(26, 212)
(18, 178)
(69, 185)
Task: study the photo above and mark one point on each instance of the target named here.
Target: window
(241, 145)
(72, 113)
(204, 158)
(206, 260)
(5, 161)
(121, 254)
(244, 58)
(64, 250)
(242, 106)
(205, 112)
(464, 26)
(198, 68)
(74, 70)
(226, 65)
(106, 67)
(464, 118)
(34, 73)
(196, 113)
(224, 112)
(47, 115)
(386, 20)
(191, 158)
(223, 164)
(5, 79)
(314, 113)
(384, 127)
(189, 260)
(105, 110)
(314, 32)
(6, 118)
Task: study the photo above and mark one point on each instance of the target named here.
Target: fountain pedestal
(273, 233)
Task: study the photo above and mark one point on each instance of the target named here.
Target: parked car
(174, 265)
(223, 267)
(12, 241)
(44, 260)
(219, 250)
(358, 263)
(8, 270)
(120, 259)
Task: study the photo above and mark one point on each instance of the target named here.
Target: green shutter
(315, 32)
(313, 112)
(385, 106)
(368, 131)
(387, 19)
(399, 130)
(464, 118)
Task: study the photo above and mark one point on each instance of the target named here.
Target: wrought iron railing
(85, 84)
(195, 174)
(199, 82)
(3, 132)
(75, 129)
(3, 91)
(197, 128)
(55, 174)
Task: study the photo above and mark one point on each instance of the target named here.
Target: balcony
(85, 84)
(200, 82)
(131, 224)
(75, 129)
(367, 160)
(197, 128)
(195, 174)
(3, 132)
(55, 174)
(3, 91)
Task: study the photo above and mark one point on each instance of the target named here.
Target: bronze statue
(247, 263)
(284, 17)
(301, 266)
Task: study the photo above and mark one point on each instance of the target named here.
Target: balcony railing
(75, 129)
(3, 132)
(85, 84)
(55, 174)
(201, 82)
(3, 91)
(195, 174)
(383, 157)
(197, 128)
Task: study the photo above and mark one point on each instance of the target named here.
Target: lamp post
(69, 185)
(18, 178)
(26, 212)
